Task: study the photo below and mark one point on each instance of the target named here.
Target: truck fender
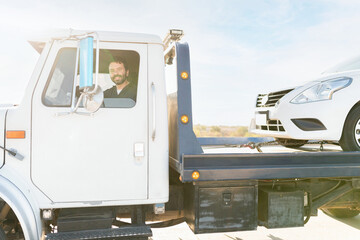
(21, 207)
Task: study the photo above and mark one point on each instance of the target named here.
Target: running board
(131, 232)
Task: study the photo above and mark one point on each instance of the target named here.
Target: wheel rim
(357, 133)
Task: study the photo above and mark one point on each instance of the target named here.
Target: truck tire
(341, 212)
(350, 139)
(291, 143)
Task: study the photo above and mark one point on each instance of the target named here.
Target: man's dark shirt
(129, 91)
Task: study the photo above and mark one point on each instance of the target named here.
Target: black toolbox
(281, 208)
(221, 206)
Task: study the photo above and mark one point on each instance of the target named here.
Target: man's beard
(121, 79)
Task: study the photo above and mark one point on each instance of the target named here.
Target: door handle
(153, 111)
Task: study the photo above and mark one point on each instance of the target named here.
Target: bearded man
(119, 73)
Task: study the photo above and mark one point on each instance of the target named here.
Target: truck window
(59, 88)
(118, 78)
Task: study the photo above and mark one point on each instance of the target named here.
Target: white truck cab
(115, 156)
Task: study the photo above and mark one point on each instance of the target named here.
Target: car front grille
(272, 125)
(273, 97)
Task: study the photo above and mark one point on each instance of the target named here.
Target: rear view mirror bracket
(91, 94)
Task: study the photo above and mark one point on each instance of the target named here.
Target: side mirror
(91, 97)
(86, 62)
(92, 102)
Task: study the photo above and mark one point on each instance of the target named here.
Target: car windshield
(348, 65)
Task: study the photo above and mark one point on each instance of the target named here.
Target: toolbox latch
(227, 199)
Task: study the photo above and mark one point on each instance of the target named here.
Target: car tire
(291, 143)
(350, 139)
(341, 212)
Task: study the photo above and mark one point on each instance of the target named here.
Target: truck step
(131, 232)
(71, 220)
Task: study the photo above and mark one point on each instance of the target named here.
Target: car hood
(324, 77)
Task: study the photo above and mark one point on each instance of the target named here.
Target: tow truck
(75, 164)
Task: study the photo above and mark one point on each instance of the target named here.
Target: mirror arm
(75, 75)
(79, 101)
(74, 110)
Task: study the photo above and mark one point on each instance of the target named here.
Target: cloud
(305, 52)
(238, 48)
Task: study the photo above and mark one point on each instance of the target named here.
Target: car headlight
(322, 91)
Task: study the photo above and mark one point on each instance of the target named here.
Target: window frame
(50, 77)
(73, 90)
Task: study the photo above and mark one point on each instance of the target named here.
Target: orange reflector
(195, 175)
(180, 178)
(15, 134)
(184, 75)
(184, 119)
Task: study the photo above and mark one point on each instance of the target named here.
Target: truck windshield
(349, 65)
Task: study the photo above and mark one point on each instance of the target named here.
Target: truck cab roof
(39, 41)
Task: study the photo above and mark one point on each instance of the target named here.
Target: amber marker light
(15, 134)
(195, 175)
(184, 75)
(184, 119)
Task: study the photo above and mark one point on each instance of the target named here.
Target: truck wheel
(291, 143)
(341, 212)
(350, 139)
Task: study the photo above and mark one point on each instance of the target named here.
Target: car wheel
(350, 139)
(341, 212)
(291, 143)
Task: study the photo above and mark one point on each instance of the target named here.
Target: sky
(238, 48)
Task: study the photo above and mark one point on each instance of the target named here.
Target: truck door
(90, 157)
